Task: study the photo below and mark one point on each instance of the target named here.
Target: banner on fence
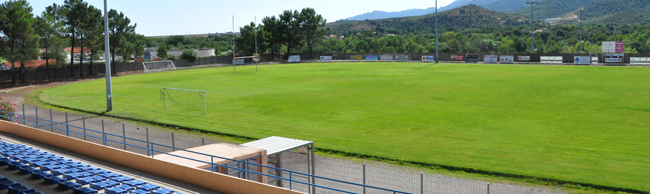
(523, 58)
(507, 59)
(613, 47)
(387, 58)
(458, 57)
(371, 57)
(614, 58)
(472, 59)
(325, 58)
(582, 60)
(402, 58)
(427, 59)
(490, 59)
(640, 60)
(238, 61)
(356, 57)
(551, 59)
(294, 58)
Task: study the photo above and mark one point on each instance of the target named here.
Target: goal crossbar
(205, 110)
(162, 66)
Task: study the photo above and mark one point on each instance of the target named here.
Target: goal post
(156, 66)
(205, 110)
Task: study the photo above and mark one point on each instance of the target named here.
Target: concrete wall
(199, 177)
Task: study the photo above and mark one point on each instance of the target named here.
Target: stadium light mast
(437, 56)
(580, 20)
(233, 46)
(109, 87)
(532, 31)
(255, 27)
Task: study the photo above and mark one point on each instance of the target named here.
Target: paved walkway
(377, 173)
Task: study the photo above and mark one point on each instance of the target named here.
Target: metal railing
(151, 151)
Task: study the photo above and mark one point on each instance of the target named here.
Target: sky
(179, 17)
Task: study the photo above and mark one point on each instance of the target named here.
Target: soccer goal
(200, 92)
(156, 66)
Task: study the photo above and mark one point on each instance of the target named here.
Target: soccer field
(574, 123)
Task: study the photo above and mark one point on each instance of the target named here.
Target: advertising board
(551, 59)
(387, 58)
(356, 57)
(238, 61)
(613, 47)
(582, 60)
(523, 58)
(507, 59)
(640, 60)
(427, 59)
(294, 58)
(472, 59)
(371, 57)
(614, 58)
(325, 58)
(402, 58)
(458, 57)
(490, 58)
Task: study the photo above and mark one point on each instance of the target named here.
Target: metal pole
(104, 134)
(313, 167)
(83, 120)
(124, 135)
(67, 126)
(147, 131)
(256, 43)
(36, 107)
(364, 178)
(203, 141)
(488, 188)
(280, 171)
(422, 182)
(51, 121)
(212, 163)
(24, 121)
(109, 90)
(152, 150)
(437, 56)
(233, 46)
(173, 144)
(532, 32)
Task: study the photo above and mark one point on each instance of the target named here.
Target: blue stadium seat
(41, 175)
(163, 191)
(135, 183)
(71, 176)
(28, 170)
(50, 167)
(84, 190)
(139, 192)
(122, 179)
(61, 171)
(68, 185)
(116, 190)
(9, 183)
(111, 183)
(99, 185)
(54, 179)
(126, 187)
(148, 187)
(110, 175)
(20, 189)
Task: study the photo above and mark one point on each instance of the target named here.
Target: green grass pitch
(584, 124)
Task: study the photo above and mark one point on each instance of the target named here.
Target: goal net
(156, 66)
(184, 100)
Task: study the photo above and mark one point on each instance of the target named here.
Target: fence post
(36, 109)
(124, 135)
(203, 140)
(148, 142)
(173, 143)
(67, 126)
(51, 121)
(152, 150)
(83, 120)
(364, 178)
(421, 182)
(488, 188)
(212, 163)
(104, 134)
(24, 121)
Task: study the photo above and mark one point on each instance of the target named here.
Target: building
(33, 64)
(152, 53)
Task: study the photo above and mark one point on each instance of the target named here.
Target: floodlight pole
(580, 31)
(109, 89)
(233, 46)
(437, 56)
(256, 42)
(532, 31)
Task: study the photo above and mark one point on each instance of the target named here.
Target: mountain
(496, 5)
(554, 8)
(470, 16)
(617, 12)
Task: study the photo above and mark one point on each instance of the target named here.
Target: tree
(119, 28)
(92, 33)
(162, 51)
(189, 55)
(291, 29)
(16, 21)
(49, 26)
(312, 27)
(73, 11)
(272, 27)
(246, 41)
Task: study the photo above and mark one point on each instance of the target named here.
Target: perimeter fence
(332, 175)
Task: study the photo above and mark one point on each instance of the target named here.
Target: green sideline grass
(582, 124)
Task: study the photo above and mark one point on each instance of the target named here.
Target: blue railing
(150, 149)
